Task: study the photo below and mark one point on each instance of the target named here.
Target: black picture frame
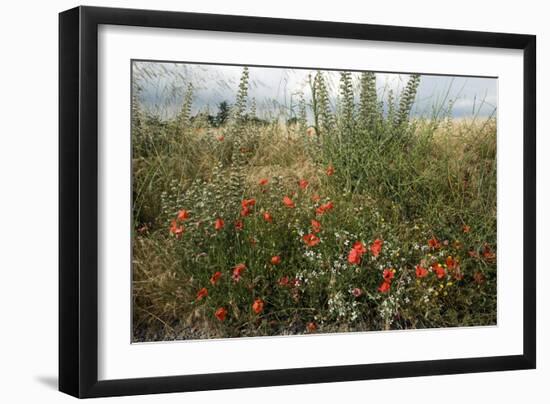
(78, 201)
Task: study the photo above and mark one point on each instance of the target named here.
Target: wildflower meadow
(327, 203)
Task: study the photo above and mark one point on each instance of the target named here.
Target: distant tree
(222, 116)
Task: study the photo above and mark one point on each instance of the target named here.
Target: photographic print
(272, 201)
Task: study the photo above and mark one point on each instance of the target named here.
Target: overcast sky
(275, 89)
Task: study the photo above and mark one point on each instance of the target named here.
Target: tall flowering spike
(368, 101)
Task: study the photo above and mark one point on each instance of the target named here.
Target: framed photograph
(251, 201)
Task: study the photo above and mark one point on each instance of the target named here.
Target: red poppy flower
(238, 271)
(239, 225)
(221, 313)
(376, 247)
(311, 327)
(330, 170)
(245, 211)
(439, 270)
(421, 272)
(183, 214)
(316, 198)
(263, 181)
(215, 278)
(434, 243)
(384, 287)
(311, 240)
(218, 225)
(479, 278)
(356, 292)
(175, 229)
(487, 253)
(288, 202)
(450, 262)
(221, 138)
(202, 293)
(324, 208)
(466, 228)
(247, 203)
(388, 274)
(360, 247)
(355, 254)
(303, 184)
(354, 257)
(267, 217)
(315, 226)
(283, 281)
(275, 260)
(258, 306)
